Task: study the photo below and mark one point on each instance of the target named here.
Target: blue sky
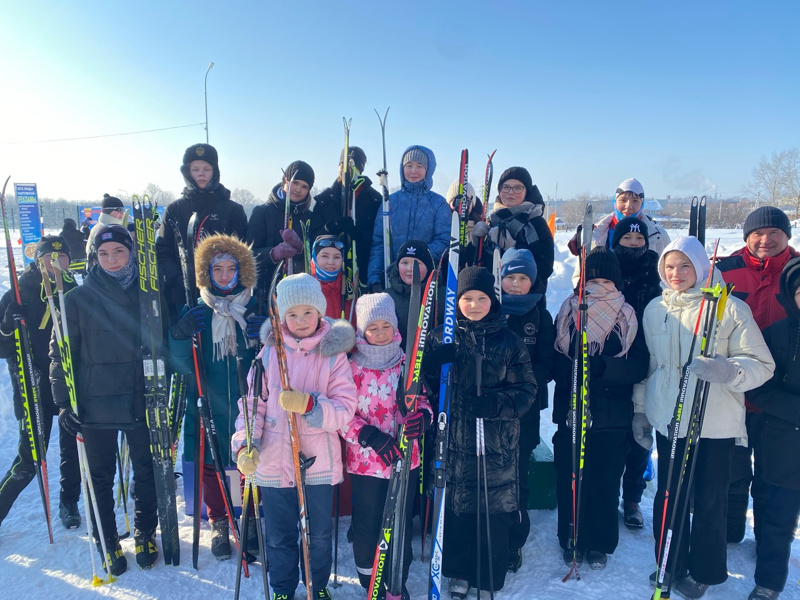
(685, 96)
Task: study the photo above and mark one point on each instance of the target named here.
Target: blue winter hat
(518, 260)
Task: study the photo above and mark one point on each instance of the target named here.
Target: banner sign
(88, 215)
(30, 225)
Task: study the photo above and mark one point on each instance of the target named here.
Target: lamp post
(205, 90)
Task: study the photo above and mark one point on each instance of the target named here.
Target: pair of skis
(697, 219)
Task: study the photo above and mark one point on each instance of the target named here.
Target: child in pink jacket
(372, 445)
(324, 394)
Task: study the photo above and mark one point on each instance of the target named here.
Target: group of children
(344, 373)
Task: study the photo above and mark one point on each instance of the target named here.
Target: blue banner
(30, 225)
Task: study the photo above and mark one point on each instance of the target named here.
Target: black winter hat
(518, 173)
(630, 225)
(300, 170)
(70, 224)
(476, 278)
(52, 243)
(602, 263)
(764, 217)
(111, 203)
(201, 152)
(358, 156)
(112, 233)
(416, 249)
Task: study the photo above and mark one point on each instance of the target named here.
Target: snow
(34, 569)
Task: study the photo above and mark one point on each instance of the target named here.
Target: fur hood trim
(212, 245)
(336, 336)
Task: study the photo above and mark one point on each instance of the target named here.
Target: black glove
(341, 225)
(69, 421)
(376, 288)
(254, 323)
(441, 355)
(384, 445)
(484, 407)
(194, 321)
(14, 312)
(416, 423)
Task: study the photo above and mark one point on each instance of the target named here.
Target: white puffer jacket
(668, 325)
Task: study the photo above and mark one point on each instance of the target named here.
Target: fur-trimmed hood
(333, 336)
(219, 243)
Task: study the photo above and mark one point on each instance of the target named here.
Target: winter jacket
(264, 232)
(668, 324)
(377, 406)
(318, 366)
(216, 213)
(75, 240)
(779, 401)
(328, 207)
(415, 213)
(40, 325)
(401, 294)
(756, 280)
(640, 281)
(105, 342)
(604, 231)
(103, 219)
(332, 290)
(506, 374)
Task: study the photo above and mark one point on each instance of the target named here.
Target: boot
(596, 559)
(458, 588)
(514, 560)
(70, 517)
(761, 593)
(220, 544)
(689, 588)
(146, 549)
(633, 515)
(117, 563)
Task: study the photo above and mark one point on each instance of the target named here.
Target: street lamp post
(205, 90)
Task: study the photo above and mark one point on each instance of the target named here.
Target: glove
(290, 237)
(376, 288)
(194, 321)
(714, 370)
(296, 402)
(254, 323)
(441, 355)
(382, 178)
(416, 423)
(384, 445)
(479, 231)
(69, 421)
(341, 225)
(247, 462)
(282, 251)
(642, 431)
(14, 312)
(484, 407)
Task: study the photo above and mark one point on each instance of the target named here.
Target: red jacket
(332, 290)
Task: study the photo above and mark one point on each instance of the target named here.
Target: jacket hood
(334, 336)
(220, 243)
(278, 197)
(692, 248)
(790, 280)
(427, 183)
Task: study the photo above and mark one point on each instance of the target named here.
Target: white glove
(247, 462)
(642, 431)
(714, 370)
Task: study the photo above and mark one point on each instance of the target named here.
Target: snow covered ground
(33, 569)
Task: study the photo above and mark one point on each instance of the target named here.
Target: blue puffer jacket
(416, 213)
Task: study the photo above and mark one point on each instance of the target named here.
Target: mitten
(194, 321)
(14, 312)
(290, 236)
(479, 231)
(416, 423)
(296, 402)
(69, 421)
(642, 431)
(484, 407)
(384, 445)
(714, 370)
(282, 251)
(254, 323)
(247, 462)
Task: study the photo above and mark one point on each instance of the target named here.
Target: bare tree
(768, 178)
(246, 198)
(791, 178)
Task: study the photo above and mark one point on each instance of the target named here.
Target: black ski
(697, 219)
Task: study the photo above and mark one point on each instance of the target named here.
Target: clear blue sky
(685, 96)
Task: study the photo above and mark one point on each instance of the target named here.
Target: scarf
(507, 223)
(321, 274)
(629, 258)
(516, 304)
(378, 358)
(227, 311)
(607, 313)
(127, 274)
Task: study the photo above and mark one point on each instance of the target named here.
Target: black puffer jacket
(75, 240)
(216, 213)
(506, 373)
(328, 207)
(105, 340)
(640, 280)
(264, 232)
(33, 299)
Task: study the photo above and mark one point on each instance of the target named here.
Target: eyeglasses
(329, 243)
(513, 189)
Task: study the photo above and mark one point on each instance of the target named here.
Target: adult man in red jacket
(755, 272)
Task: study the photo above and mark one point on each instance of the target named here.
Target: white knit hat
(375, 307)
(295, 290)
(452, 192)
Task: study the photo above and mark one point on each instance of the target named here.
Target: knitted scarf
(607, 313)
(378, 357)
(227, 312)
(127, 274)
(506, 224)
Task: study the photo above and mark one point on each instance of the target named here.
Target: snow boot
(220, 544)
(458, 588)
(70, 517)
(117, 563)
(689, 588)
(633, 515)
(146, 549)
(597, 560)
(761, 593)
(568, 556)
(514, 560)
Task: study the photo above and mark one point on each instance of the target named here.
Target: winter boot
(689, 588)
(117, 563)
(514, 560)
(70, 517)
(220, 544)
(458, 588)
(569, 555)
(597, 560)
(761, 593)
(633, 515)
(146, 549)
